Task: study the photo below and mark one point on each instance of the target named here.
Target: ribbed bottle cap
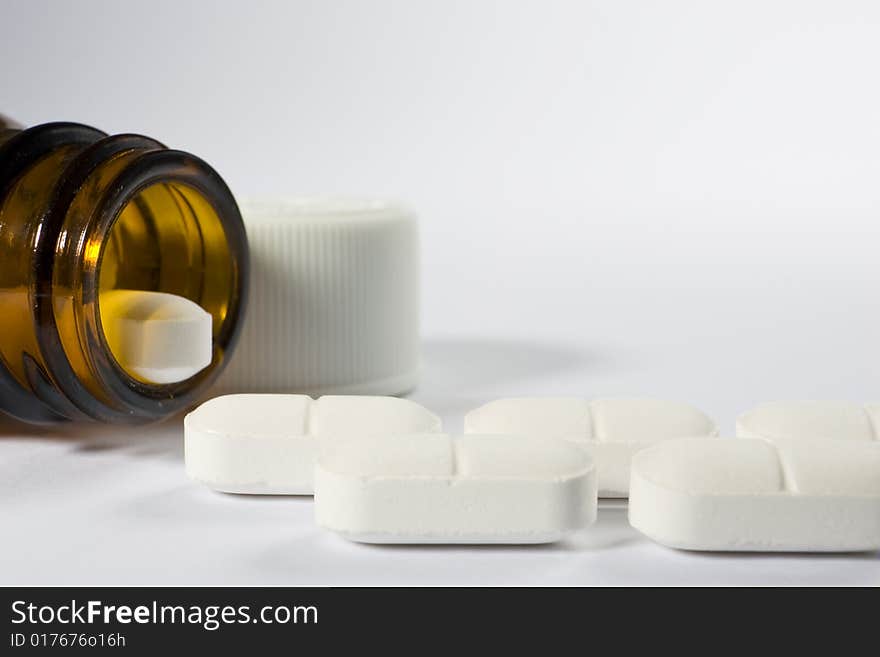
(334, 299)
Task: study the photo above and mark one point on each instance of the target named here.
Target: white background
(676, 199)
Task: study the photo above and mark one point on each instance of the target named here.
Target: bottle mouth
(176, 230)
(155, 221)
(86, 214)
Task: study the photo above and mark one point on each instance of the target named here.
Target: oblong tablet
(827, 420)
(155, 336)
(438, 489)
(268, 444)
(755, 495)
(612, 430)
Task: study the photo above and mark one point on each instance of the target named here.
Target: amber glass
(82, 213)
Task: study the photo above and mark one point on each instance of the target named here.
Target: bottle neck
(84, 213)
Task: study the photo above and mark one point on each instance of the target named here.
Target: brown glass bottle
(81, 213)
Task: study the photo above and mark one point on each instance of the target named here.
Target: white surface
(673, 200)
(334, 299)
(752, 494)
(433, 488)
(797, 420)
(267, 444)
(611, 430)
(157, 337)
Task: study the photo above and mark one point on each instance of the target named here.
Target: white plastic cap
(334, 299)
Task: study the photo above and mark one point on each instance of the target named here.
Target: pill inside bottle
(156, 337)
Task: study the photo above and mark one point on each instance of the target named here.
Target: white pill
(750, 494)
(157, 337)
(612, 430)
(268, 444)
(826, 420)
(438, 489)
